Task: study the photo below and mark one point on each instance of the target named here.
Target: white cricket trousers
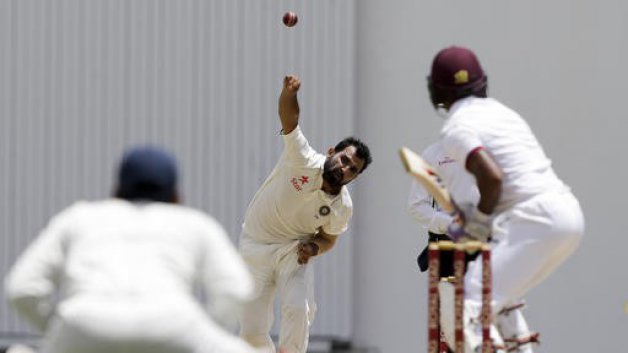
(274, 268)
(531, 240)
(109, 325)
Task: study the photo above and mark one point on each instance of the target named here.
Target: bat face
(427, 176)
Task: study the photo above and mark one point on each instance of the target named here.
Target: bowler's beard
(333, 177)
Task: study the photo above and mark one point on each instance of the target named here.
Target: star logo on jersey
(324, 210)
(304, 179)
(461, 77)
(295, 183)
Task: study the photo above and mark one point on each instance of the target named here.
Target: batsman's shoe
(514, 329)
(473, 330)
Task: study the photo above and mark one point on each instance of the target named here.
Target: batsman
(531, 218)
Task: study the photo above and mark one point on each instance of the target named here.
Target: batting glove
(471, 222)
(477, 224)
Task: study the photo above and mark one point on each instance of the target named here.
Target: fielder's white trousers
(274, 268)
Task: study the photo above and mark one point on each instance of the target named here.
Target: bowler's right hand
(291, 84)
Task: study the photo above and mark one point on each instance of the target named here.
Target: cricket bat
(427, 177)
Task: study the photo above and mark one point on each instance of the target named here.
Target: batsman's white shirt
(126, 274)
(421, 204)
(290, 205)
(486, 123)
(538, 222)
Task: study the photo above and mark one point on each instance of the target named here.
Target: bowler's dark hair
(361, 150)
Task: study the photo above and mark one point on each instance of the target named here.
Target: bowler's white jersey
(290, 205)
(126, 273)
(486, 123)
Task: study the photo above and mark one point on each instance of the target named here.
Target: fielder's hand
(291, 84)
(305, 251)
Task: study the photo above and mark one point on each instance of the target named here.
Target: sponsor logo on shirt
(298, 183)
(446, 160)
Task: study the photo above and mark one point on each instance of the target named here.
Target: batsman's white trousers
(530, 241)
(274, 267)
(109, 325)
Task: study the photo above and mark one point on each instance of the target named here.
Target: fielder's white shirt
(422, 206)
(114, 261)
(474, 123)
(290, 205)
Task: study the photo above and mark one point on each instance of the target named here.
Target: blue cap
(147, 173)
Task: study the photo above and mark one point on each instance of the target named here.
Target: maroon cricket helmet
(456, 73)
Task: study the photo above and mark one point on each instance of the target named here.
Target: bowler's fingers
(292, 83)
(303, 254)
(303, 259)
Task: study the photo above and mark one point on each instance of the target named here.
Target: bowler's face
(341, 167)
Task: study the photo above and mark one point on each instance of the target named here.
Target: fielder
(297, 214)
(426, 212)
(534, 220)
(125, 268)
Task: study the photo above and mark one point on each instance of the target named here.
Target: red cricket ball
(290, 19)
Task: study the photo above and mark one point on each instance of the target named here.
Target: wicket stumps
(460, 251)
